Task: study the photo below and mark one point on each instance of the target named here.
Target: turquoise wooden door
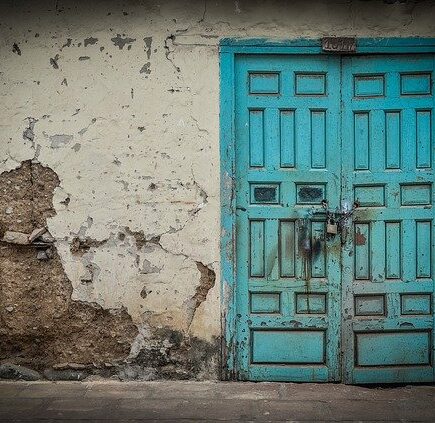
(315, 132)
(288, 161)
(388, 259)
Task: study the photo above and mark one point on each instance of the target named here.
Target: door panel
(288, 161)
(388, 257)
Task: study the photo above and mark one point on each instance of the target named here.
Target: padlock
(331, 227)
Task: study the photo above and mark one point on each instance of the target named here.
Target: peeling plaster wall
(120, 100)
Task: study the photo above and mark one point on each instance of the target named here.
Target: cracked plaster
(162, 180)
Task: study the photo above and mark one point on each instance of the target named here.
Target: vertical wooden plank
(318, 139)
(377, 251)
(393, 253)
(318, 252)
(301, 233)
(286, 306)
(303, 139)
(257, 248)
(362, 251)
(423, 249)
(256, 138)
(271, 138)
(392, 140)
(409, 254)
(361, 141)
(376, 139)
(287, 138)
(287, 254)
(423, 138)
(409, 139)
(271, 249)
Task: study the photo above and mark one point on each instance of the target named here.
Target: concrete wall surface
(109, 138)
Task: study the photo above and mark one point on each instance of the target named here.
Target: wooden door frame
(228, 49)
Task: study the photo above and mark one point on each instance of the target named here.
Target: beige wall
(121, 99)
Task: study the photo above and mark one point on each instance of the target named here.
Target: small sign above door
(339, 44)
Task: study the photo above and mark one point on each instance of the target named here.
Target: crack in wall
(198, 127)
(207, 281)
(204, 12)
(168, 51)
(203, 195)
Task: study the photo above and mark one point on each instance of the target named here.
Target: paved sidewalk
(209, 401)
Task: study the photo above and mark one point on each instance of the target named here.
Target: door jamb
(228, 49)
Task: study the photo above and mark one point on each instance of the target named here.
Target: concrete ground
(211, 402)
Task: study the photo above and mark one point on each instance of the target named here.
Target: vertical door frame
(228, 49)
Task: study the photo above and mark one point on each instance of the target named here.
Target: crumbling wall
(40, 325)
(109, 138)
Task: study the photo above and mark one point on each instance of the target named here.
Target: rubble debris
(67, 374)
(36, 233)
(39, 237)
(73, 366)
(13, 237)
(16, 372)
(46, 237)
(45, 254)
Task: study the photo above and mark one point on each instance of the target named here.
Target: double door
(334, 218)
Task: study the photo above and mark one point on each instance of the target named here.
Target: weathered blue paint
(228, 208)
(288, 142)
(388, 161)
(382, 313)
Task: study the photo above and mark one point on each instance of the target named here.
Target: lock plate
(331, 228)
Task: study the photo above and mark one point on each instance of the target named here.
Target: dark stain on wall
(90, 41)
(16, 49)
(148, 41)
(121, 40)
(53, 61)
(169, 354)
(145, 68)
